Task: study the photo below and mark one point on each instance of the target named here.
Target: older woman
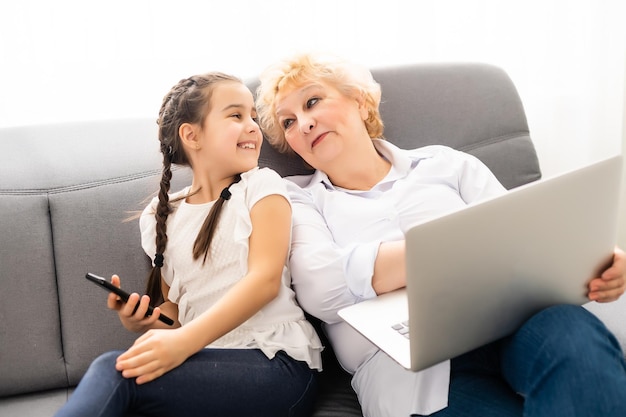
(347, 247)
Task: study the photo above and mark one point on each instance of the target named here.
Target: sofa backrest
(66, 191)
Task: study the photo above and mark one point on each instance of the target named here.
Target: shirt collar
(401, 165)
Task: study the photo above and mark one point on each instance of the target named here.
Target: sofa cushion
(91, 234)
(31, 356)
(44, 404)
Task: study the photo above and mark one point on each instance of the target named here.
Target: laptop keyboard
(402, 328)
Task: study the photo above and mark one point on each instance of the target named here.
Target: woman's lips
(318, 140)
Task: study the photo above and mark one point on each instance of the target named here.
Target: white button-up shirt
(337, 232)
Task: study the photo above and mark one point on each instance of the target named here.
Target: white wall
(621, 238)
(72, 60)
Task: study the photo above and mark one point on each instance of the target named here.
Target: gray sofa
(67, 190)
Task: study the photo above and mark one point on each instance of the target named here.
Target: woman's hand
(132, 313)
(612, 283)
(153, 354)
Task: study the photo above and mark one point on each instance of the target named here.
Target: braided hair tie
(226, 194)
(158, 260)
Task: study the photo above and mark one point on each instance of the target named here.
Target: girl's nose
(253, 126)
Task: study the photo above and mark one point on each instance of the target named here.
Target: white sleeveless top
(195, 287)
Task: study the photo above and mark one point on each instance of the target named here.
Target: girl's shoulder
(261, 182)
(262, 178)
(174, 197)
(258, 174)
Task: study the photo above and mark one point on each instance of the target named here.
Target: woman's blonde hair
(350, 79)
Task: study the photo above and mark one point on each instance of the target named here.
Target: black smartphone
(103, 283)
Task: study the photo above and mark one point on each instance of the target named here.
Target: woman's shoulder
(442, 153)
(434, 150)
(389, 149)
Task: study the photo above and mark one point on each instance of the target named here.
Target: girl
(240, 345)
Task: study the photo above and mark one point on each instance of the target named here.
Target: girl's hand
(132, 313)
(154, 354)
(612, 283)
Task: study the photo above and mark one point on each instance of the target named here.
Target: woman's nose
(307, 125)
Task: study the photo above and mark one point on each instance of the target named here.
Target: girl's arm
(269, 245)
(157, 352)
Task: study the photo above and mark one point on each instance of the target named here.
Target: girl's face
(320, 123)
(230, 140)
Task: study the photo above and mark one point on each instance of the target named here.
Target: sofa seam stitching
(56, 281)
(77, 187)
(494, 140)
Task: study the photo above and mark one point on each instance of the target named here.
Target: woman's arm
(157, 352)
(390, 267)
(326, 276)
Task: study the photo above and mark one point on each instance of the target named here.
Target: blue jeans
(213, 382)
(562, 362)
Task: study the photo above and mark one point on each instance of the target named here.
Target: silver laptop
(476, 274)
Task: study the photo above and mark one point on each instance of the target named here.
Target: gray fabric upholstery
(473, 108)
(29, 311)
(43, 403)
(67, 190)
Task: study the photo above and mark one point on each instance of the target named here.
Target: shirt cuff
(360, 270)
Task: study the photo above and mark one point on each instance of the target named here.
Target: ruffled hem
(298, 339)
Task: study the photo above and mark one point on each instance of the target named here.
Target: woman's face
(320, 124)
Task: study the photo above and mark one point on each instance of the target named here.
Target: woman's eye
(311, 102)
(286, 123)
(236, 115)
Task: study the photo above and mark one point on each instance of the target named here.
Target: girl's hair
(350, 79)
(188, 101)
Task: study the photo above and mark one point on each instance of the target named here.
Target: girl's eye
(286, 123)
(311, 102)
